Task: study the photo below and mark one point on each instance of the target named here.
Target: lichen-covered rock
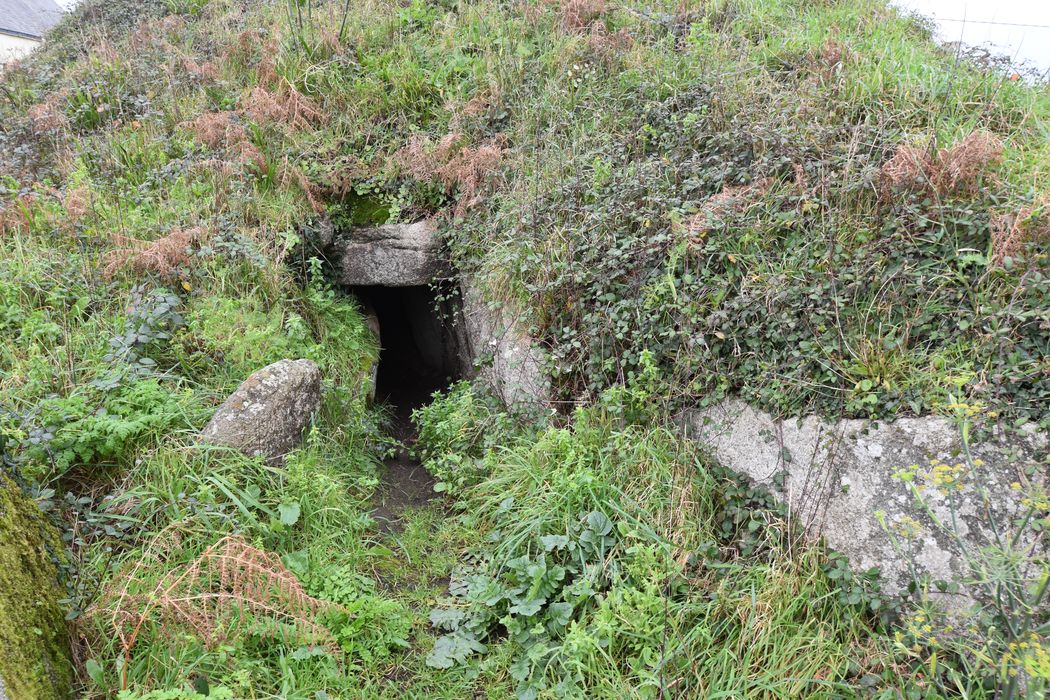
(267, 414)
(34, 644)
(396, 255)
(839, 481)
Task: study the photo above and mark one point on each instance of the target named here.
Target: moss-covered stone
(34, 645)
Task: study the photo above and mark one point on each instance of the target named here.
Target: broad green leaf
(289, 513)
(552, 542)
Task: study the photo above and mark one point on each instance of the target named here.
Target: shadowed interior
(416, 358)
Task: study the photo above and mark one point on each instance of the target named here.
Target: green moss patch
(34, 646)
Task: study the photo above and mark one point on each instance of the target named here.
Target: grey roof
(30, 18)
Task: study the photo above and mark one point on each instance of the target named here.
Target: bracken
(954, 169)
(229, 584)
(163, 256)
(1010, 232)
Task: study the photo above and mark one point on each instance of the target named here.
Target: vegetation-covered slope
(808, 204)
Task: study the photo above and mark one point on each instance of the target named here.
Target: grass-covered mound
(807, 204)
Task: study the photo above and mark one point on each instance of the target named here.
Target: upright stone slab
(34, 644)
(509, 360)
(838, 480)
(396, 255)
(268, 413)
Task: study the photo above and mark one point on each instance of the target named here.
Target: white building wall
(12, 47)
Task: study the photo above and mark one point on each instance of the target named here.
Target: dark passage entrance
(418, 356)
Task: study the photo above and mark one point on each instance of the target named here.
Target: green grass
(593, 555)
(610, 568)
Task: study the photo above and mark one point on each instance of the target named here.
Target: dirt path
(403, 482)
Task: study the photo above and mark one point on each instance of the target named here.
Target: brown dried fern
(457, 167)
(47, 117)
(163, 256)
(954, 169)
(1010, 232)
(230, 586)
(608, 44)
(728, 200)
(579, 15)
(215, 129)
(288, 174)
(286, 105)
(960, 167)
(16, 215)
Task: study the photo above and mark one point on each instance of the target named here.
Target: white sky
(1029, 44)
